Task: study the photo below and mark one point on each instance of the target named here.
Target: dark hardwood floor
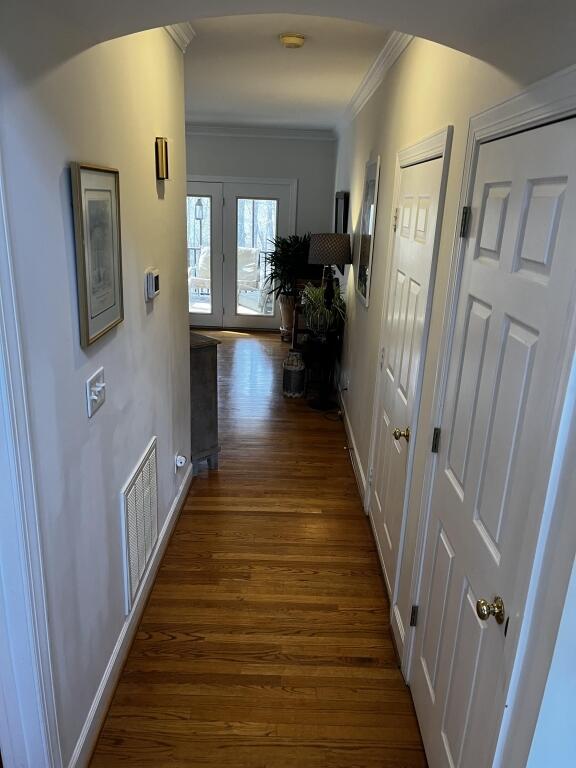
(266, 641)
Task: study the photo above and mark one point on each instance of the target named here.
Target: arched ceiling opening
(524, 38)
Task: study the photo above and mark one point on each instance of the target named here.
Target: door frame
(547, 577)
(28, 715)
(433, 147)
(292, 184)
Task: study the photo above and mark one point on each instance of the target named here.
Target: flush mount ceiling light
(292, 40)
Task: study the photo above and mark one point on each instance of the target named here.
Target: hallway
(265, 642)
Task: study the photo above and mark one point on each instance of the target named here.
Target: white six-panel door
(516, 300)
(408, 300)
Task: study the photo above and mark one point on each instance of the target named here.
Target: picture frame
(96, 210)
(341, 208)
(364, 246)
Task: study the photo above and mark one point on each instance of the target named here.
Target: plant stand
(320, 354)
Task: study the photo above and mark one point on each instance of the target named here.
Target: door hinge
(223, 201)
(396, 214)
(370, 475)
(436, 440)
(382, 357)
(414, 616)
(465, 221)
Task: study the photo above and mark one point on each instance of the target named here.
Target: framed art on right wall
(365, 234)
(341, 207)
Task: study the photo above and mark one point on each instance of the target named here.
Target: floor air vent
(139, 521)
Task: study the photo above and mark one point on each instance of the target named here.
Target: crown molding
(260, 132)
(182, 34)
(393, 48)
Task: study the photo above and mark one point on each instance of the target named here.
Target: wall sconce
(161, 158)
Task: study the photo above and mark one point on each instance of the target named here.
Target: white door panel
(254, 214)
(516, 296)
(403, 336)
(204, 235)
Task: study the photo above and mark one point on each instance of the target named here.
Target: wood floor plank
(266, 640)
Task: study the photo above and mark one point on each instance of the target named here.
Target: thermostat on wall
(151, 284)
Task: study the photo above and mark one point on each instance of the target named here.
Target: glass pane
(257, 222)
(199, 225)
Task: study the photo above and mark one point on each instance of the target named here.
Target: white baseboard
(380, 558)
(354, 456)
(103, 697)
(395, 619)
(396, 624)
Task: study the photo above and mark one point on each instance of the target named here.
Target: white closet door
(515, 304)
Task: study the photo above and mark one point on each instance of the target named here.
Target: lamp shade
(330, 248)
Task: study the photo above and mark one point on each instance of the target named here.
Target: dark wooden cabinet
(204, 400)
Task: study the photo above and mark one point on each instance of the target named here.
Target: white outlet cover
(95, 392)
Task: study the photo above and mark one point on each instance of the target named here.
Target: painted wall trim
(31, 680)
(260, 132)
(89, 734)
(436, 145)
(393, 48)
(354, 455)
(182, 34)
(551, 99)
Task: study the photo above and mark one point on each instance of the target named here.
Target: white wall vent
(139, 521)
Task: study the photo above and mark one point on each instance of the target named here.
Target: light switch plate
(95, 392)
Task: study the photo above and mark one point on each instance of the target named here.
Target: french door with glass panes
(204, 204)
(231, 227)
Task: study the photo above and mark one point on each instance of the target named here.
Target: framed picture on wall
(96, 206)
(341, 207)
(365, 235)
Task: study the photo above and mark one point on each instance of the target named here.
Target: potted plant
(286, 263)
(319, 318)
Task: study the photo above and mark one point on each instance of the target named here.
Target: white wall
(310, 160)
(554, 741)
(428, 88)
(104, 106)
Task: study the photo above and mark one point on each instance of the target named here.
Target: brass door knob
(398, 433)
(484, 609)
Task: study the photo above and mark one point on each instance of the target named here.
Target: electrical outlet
(179, 462)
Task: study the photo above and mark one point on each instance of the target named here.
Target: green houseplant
(285, 264)
(320, 318)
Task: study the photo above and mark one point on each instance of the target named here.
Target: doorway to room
(231, 227)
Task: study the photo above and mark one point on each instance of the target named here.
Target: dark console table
(204, 401)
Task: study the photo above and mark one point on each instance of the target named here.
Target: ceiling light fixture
(292, 40)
